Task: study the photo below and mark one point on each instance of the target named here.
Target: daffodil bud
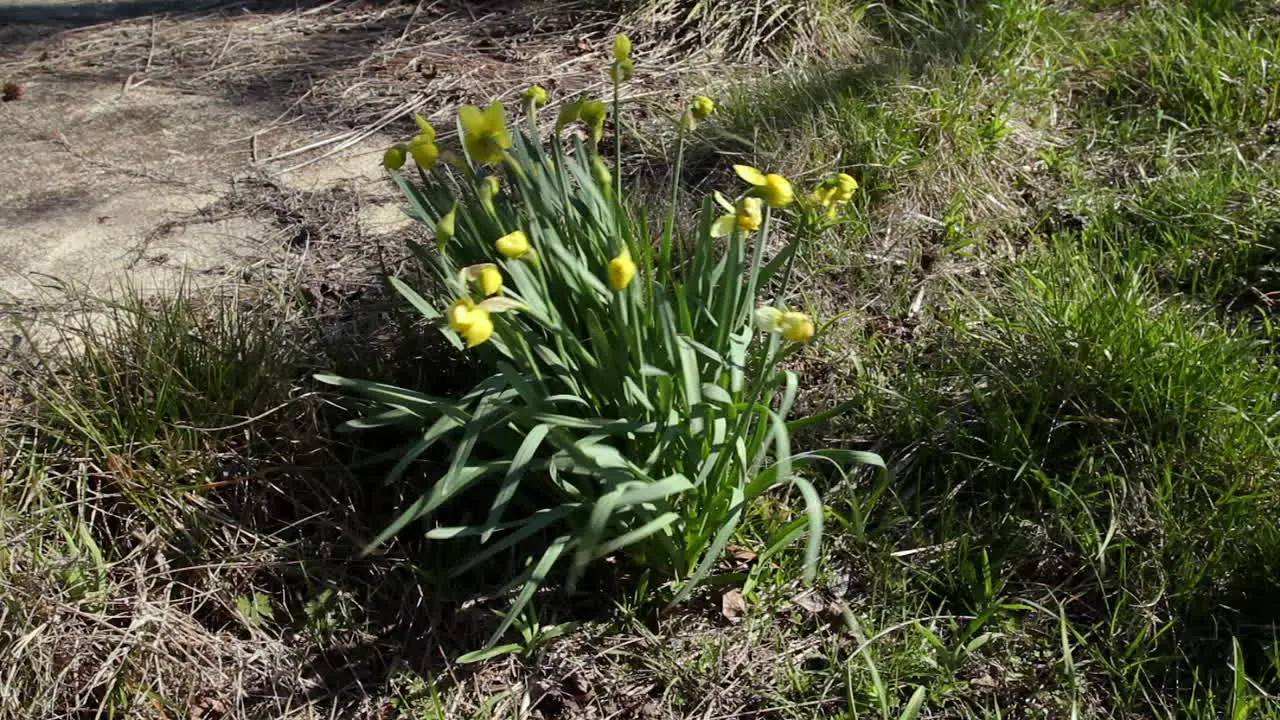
(513, 245)
(489, 189)
(445, 227)
(536, 96)
(394, 157)
(593, 113)
(622, 48)
(601, 171)
(622, 270)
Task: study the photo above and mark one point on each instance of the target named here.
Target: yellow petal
(424, 127)
(777, 191)
(722, 201)
(749, 214)
(768, 318)
(471, 118)
(487, 276)
(723, 225)
(495, 118)
(480, 328)
(424, 151)
(460, 314)
(750, 174)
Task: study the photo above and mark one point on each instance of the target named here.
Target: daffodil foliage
(632, 404)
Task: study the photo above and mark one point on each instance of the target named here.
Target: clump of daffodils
(615, 347)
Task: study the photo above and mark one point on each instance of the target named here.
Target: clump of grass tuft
(781, 29)
(1196, 67)
(1080, 415)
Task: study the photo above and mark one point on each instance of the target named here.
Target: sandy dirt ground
(107, 181)
(152, 142)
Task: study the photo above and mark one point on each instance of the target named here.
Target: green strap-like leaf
(533, 581)
(527, 528)
(655, 525)
(417, 402)
(737, 505)
(519, 464)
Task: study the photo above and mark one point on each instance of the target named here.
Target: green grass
(1055, 315)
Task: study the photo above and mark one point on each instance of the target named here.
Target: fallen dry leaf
(733, 606)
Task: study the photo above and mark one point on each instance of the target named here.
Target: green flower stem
(668, 236)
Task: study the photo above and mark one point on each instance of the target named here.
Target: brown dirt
(136, 117)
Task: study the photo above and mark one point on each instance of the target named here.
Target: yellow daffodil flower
(474, 321)
(536, 95)
(470, 321)
(833, 192)
(702, 107)
(393, 158)
(425, 152)
(835, 189)
(423, 146)
(485, 133)
(622, 270)
(747, 216)
(775, 189)
(796, 326)
(485, 275)
(446, 226)
(513, 245)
